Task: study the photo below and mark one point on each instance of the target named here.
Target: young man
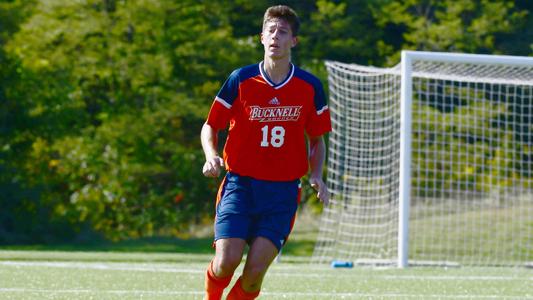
(271, 107)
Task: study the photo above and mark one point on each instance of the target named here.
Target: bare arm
(317, 156)
(213, 162)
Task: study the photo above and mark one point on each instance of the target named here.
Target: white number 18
(277, 135)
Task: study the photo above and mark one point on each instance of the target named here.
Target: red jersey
(268, 122)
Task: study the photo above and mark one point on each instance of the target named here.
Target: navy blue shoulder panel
(248, 72)
(230, 89)
(320, 96)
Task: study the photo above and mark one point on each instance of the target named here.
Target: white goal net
(467, 129)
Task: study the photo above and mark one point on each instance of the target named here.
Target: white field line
(100, 266)
(288, 295)
(84, 291)
(273, 272)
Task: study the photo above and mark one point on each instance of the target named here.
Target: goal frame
(408, 58)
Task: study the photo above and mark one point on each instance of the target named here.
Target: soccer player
(271, 108)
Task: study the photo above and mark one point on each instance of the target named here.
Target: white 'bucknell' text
(271, 114)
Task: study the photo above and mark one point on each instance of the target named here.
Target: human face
(277, 39)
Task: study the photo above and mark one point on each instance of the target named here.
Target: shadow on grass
(145, 245)
(155, 245)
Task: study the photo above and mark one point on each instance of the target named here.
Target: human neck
(277, 70)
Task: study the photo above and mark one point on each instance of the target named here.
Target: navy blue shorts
(248, 208)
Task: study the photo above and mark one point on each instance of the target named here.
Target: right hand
(213, 166)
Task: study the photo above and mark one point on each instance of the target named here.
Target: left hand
(318, 184)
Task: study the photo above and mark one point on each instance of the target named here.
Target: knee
(253, 274)
(225, 266)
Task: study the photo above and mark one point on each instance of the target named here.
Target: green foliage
(110, 125)
(134, 175)
(456, 26)
(484, 145)
(338, 31)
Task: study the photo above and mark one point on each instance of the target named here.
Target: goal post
(406, 93)
(430, 161)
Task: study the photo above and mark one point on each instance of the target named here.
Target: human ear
(294, 41)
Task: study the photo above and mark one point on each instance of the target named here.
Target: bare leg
(262, 253)
(228, 256)
(220, 271)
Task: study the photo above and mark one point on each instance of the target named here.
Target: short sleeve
(220, 112)
(319, 121)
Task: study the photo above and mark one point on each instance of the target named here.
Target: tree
(114, 91)
(469, 26)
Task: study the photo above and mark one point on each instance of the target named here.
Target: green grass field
(174, 269)
(112, 275)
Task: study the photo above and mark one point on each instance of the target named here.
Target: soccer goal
(430, 162)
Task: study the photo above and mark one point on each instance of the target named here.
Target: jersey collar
(269, 81)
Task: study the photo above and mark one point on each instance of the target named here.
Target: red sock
(237, 293)
(214, 287)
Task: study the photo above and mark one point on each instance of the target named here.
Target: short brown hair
(285, 13)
